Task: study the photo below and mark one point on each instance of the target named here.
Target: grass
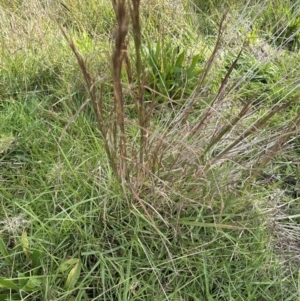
(155, 164)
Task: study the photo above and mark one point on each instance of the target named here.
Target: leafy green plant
(27, 280)
(170, 72)
(30, 277)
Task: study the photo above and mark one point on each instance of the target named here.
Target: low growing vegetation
(149, 150)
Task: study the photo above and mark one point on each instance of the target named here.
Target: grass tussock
(147, 160)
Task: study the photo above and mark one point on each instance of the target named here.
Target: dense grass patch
(166, 170)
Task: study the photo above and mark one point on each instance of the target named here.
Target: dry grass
(178, 150)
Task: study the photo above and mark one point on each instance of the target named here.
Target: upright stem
(135, 17)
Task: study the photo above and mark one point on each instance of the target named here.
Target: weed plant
(143, 160)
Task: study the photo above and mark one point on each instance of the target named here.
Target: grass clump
(139, 166)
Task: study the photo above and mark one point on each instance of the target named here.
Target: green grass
(204, 211)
